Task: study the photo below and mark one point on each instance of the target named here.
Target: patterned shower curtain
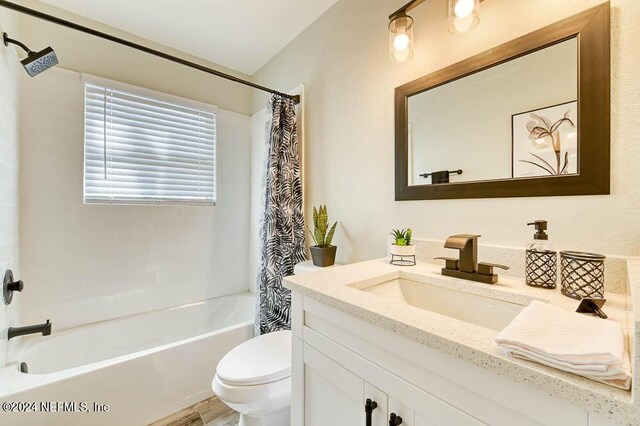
(282, 227)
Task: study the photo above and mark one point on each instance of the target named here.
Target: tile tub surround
(10, 70)
(339, 288)
(89, 263)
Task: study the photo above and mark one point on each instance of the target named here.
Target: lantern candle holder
(582, 274)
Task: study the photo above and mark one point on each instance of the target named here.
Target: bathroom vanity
(421, 346)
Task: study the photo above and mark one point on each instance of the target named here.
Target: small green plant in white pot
(323, 253)
(402, 243)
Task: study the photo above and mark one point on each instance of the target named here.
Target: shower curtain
(282, 227)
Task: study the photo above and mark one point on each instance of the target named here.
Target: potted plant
(402, 245)
(323, 253)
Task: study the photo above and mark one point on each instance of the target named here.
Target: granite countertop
(339, 288)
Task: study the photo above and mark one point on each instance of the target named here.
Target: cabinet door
(421, 421)
(332, 394)
(414, 405)
(379, 416)
(430, 411)
(401, 409)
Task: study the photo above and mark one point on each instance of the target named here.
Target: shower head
(35, 62)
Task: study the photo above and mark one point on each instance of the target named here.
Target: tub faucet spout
(45, 329)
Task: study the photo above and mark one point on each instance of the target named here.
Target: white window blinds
(140, 149)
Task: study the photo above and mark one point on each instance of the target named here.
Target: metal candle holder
(582, 274)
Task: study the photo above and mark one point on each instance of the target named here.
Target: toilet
(254, 378)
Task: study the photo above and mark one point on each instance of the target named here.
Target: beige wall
(85, 53)
(9, 165)
(349, 84)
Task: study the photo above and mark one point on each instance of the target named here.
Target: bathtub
(127, 371)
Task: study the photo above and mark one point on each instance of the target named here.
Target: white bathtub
(143, 367)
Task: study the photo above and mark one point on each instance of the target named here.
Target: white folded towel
(587, 346)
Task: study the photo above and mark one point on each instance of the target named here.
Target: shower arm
(7, 40)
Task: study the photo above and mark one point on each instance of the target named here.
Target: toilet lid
(263, 359)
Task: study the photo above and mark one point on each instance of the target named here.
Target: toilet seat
(255, 399)
(258, 361)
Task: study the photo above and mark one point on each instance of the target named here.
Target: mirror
(528, 118)
(478, 126)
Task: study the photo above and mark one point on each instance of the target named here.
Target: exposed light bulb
(464, 15)
(464, 8)
(401, 42)
(401, 38)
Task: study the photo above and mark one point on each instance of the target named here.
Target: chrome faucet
(467, 266)
(45, 329)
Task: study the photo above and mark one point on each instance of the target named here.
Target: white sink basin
(472, 308)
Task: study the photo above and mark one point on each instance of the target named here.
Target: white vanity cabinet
(335, 395)
(333, 392)
(339, 361)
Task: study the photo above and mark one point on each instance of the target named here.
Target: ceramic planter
(409, 250)
(323, 256)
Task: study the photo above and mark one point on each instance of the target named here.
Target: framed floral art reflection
(545, 141)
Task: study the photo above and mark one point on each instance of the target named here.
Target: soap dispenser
(541, 259)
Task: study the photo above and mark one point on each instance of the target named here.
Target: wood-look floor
(210, 412)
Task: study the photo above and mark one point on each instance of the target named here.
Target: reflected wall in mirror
(499, 123)
(528, 118)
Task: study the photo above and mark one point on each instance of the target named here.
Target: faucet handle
(9, 285)
(450, 262)
(485, 268)
(15, 286)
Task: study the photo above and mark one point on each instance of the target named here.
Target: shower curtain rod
(114, 39)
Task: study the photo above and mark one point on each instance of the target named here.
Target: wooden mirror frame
(592, 30)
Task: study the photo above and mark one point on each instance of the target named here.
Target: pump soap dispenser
(541, 259)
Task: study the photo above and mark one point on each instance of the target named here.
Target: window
(144, 147)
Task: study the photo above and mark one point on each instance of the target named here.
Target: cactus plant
(320, 235)
(402, 236)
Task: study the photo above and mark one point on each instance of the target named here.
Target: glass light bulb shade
(401, 38)
(463, 8)
(464, 15)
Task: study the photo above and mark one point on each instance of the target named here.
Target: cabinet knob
(395, 420)
(369, 406)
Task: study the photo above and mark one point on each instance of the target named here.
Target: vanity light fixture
(463, 15)
(401, 38)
